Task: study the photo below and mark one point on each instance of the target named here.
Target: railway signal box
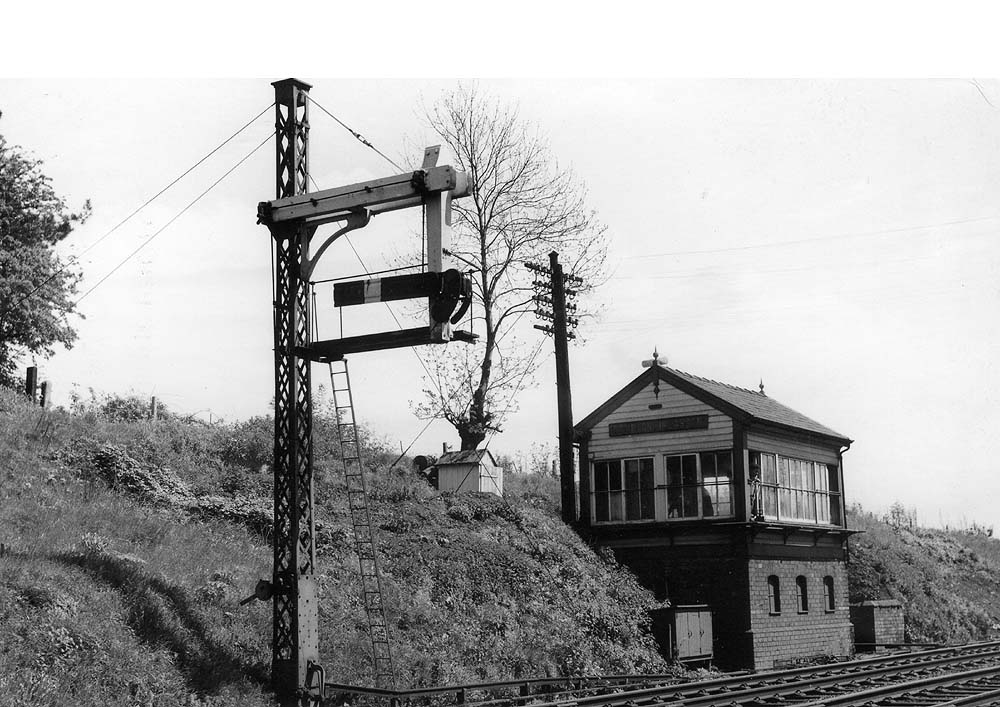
(721, 496)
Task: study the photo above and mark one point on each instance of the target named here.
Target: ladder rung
(350, 453)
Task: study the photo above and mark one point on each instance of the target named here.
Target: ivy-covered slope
(127, 547)
(947, 581)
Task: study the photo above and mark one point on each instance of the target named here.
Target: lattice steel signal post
(293, 218)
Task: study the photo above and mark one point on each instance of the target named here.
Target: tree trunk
(472, 431)
(471, 437)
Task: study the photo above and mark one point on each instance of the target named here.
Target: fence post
(31, 382)
(153, 411)
(46, 395)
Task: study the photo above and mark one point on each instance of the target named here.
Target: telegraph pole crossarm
(552, 308)
(567, 485)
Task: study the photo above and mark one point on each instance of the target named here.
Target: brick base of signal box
(793, 635)
(748, 635)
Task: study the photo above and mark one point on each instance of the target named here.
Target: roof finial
(762, 386)
(655, 361)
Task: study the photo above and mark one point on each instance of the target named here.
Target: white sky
(836, 238)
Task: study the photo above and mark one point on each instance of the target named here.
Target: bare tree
(523, 206)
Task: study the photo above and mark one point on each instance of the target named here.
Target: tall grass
(946, 580)
(104, 601)
(129, 545)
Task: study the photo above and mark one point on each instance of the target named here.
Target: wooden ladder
(364, 536)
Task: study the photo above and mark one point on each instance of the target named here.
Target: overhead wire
(184, 174)
(399, 324)
(517, 388)
(423, 258)
(715, 270)
(510, 401)
(410, 445)
(368, 273)
(175, 217)
(724, 312)
(816, 239)
(76, 258)
(503, 496)
(360, 138)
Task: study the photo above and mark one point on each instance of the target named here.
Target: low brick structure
(877, 624)
(822, 628)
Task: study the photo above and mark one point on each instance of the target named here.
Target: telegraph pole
(553, 294)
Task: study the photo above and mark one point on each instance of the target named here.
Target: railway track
(957, 676)
(961, 676)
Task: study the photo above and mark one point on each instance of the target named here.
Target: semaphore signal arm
(433, 187)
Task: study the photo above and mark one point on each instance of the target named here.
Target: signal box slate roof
(739, 403)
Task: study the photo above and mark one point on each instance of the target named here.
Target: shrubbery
(476, 587)
(947, 590)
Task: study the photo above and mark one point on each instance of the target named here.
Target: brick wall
(736, 591)
(791, 636)
(878, 622)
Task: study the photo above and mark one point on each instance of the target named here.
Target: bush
(112, 407)
(539, 490)
(248, 444)
(945, 588)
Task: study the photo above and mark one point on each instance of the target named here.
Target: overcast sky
(839, 240)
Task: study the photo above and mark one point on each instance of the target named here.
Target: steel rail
(843, 682)
(802, 688)
(986, 698)
(581, 689)
(786, 680)
(904, 689)
(765, 685)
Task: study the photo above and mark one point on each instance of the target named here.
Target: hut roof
(466, 456)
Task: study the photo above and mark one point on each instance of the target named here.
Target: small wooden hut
(469, 470)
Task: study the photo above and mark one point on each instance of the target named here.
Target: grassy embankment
(127, 547)
(947, 581)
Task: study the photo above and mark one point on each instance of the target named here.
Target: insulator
(544, 314)
(542, 283)
(573, 278)
(537, 268)
(543, 299)
(570, 307)
(570, 293)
